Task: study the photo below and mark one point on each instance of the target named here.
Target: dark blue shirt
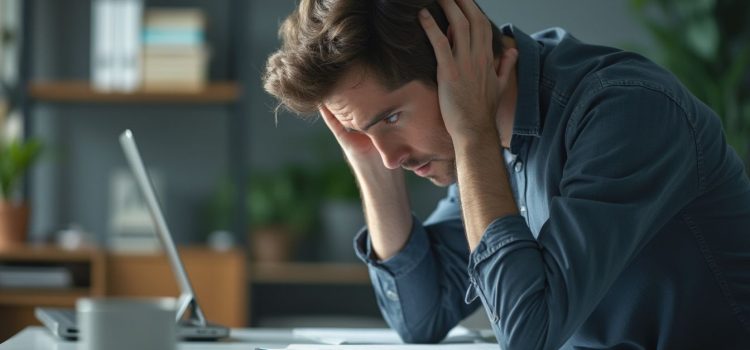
(634, 230)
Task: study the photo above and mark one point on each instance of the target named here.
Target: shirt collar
(527, 120)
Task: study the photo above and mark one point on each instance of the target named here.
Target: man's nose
(393, 154)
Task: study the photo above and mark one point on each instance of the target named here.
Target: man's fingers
(439, 41)
(459, 25)
(481, 31)
(333, 124)
(507, 63)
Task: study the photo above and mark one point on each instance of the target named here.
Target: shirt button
(518, 167)
(390, 294)
(523, 208)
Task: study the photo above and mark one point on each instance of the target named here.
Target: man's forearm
(483, 184)
(386, 205)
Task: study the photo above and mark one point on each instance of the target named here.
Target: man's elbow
(422, 337)
(431, 331)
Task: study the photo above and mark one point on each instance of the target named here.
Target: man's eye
(393, 118)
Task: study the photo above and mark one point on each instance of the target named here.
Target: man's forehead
(356, 94)
(338, 107)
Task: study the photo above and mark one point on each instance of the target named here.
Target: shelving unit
(81, 92)
(311, 294)
(17, 305)
(310, 273)
(216, 277)
(228, 92)
(35, 297)
(72, 93)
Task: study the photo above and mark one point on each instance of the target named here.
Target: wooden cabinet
(17, 305)
(218, 278)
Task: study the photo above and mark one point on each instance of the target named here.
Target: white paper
(477, 346)
(337, 336)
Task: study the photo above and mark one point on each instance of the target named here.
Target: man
(600, 206)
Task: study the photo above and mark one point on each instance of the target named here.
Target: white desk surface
(39, 338)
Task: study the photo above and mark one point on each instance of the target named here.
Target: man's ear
(505, 65)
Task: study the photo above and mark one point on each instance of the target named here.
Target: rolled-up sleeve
(420, 290)
(632, 163)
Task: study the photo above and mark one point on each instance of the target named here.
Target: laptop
(192, 325)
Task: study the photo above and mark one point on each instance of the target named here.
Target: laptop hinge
(188, 305)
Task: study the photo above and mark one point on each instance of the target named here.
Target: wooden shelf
(218, 279)
(309, 273)
(47, 297)
(82, 92)
(47, 253)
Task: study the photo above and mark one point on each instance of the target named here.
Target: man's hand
(470, 90)
(469, 85)
(383, 190)
(356, 146)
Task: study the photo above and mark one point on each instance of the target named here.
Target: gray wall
(188, 144)
(600, 22)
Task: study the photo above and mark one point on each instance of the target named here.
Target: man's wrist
(474, 139)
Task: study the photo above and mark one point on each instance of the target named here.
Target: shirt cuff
(416, 248)
(499, 234)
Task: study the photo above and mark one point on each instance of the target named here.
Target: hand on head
(469, 82)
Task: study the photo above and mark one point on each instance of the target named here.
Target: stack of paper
(459, 338)
(477, 346)
(371, 336)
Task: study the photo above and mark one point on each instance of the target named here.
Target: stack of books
(115, 45)
(175, 55)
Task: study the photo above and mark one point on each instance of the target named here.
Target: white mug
(126, 324)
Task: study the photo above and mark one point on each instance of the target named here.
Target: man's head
(334, 51)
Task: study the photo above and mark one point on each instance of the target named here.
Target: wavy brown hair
(323, 39)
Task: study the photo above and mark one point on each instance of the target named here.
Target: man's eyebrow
(377, 118)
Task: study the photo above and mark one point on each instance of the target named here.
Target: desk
(39, 338)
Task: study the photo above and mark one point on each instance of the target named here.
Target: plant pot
(271, 244)
(341, 220)
(14, 221)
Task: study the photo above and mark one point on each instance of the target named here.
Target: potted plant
(16, 156)
(340, 210)
(706, 44)
(281, 209)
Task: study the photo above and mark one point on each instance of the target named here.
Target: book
(182, 18)
(115, 45)
(35, 277)
(174, 53)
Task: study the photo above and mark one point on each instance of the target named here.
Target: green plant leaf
(738, 69)
(702, 36)
(287, 197)
(639, 5)
(691, 8)
(706, 44)
(15, 159)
